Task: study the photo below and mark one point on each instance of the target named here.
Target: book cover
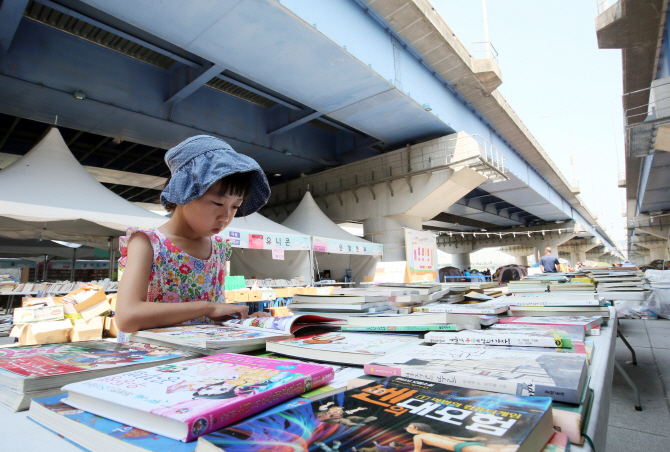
(556, 375)
(423, 318)
(91, 429)
(288, 324)
(476, 308)
(520, 338)
(31, 367)
(347, 347)
(397, 414)
(412, 328)
(196, 396)
(209, 336)
(586, 322)
(577, 347)
(576, 332)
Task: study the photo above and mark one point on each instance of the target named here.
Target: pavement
(647, 430)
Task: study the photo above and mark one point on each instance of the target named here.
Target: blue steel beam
(259, 92)
(11, 12)
(295, 123)
(644, 178)
(198, 82)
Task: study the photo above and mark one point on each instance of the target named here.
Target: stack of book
(572, 287)
(41, 371)
(527, 286)
(621, 285)
(340, 306)
(416, 322)
(486, 308)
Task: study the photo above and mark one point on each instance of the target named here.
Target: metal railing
(603, 5)
(484, 49)
(452, 152)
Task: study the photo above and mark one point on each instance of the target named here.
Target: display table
(28, 436)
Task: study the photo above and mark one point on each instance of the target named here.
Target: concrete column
(520, 253)
(388, 230)
(521, 260)
(461, 260)
(656, 253)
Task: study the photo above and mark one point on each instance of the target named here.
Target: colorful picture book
(92, 432)
(189, 399)
(560, 376)
(41, 367)
(341, 347)
(519, 338)
(289, 324)
(397, 414)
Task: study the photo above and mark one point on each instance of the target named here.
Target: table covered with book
(303, 401)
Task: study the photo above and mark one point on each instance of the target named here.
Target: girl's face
(212, 213)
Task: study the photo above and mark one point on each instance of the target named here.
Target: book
(558, 443)
(569, 418)
(337, 299)
(554, 301)
(398, 414)
(196, 397)
(19, 401)
(557, 311)
(576, 332)
(587, 322)
(346, 348)
(99, 434)
(412, 319)
(377, 306)
(49, 366)
(343, 315)
(476, 308)
(409, 328)
(419, 289)
(577, 347)
(519, 338)
(235, 335)
(557, 375)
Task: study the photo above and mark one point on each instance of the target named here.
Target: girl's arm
(134, 313)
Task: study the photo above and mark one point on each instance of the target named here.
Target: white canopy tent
(254, 238)
(334, 248)
(47, 194)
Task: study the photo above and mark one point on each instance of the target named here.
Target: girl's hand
(260, 314)
(222, 311)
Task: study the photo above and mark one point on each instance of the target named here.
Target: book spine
(258, 402)
(552, 303)
(518, 340)
(402, 328)
(454, 310)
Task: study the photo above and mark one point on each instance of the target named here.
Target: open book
(233, 336)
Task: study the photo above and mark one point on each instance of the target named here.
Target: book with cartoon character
(39, 369)
(195, 397)
(560, 376)
(396, 415)
(233, 336)
(340, 347)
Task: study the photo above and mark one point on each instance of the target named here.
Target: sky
(551, 65)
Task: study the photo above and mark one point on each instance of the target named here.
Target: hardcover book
(412, 319)
(345, 348)
(475, 308)
(49, 366)
(576, 332)
(519, 338)
(195, 397)
(586, 322)
(557, 375)
(396, 414)
(407, 328)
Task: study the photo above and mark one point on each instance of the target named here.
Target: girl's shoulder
(223, 246)
(154, 235)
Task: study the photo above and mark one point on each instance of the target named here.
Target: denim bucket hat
(199, 162)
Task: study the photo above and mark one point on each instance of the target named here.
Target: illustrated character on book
(329, 338)
(391, 447)
(425, 435)
(330, 414)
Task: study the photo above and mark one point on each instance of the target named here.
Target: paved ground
(647, 430)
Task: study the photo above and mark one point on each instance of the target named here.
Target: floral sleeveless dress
(177, 277)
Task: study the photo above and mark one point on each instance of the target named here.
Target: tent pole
(111, 257)
(74, 263)
(44, 273)
(311, 262)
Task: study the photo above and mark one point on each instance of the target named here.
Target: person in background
(175, 274)
(549, 263)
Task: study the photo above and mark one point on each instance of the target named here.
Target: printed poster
(421, 255)
(265, 241)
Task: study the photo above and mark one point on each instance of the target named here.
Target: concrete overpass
(374, 106)
(640, 29)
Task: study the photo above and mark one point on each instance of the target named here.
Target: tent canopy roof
(48, 194)
(309, 219)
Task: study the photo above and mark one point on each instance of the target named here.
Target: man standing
(548, 263)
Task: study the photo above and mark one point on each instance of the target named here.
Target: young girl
(175, 274)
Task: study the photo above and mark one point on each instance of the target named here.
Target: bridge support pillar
(389, 231)
(520, 253)
(461, 260)
(657, 250)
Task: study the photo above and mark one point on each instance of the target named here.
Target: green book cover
(451, 327)
(235, 282)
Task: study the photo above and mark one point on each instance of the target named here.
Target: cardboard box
(43, 332)
(268, 295)
(112, 302)
(38, 314)
(230, 296)
(282, 293)
(87, 330)
(281, 311)
(110, 327)
(27, 302)
(95, 298)
(95, 310)
(255, 295)
(240, 295)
